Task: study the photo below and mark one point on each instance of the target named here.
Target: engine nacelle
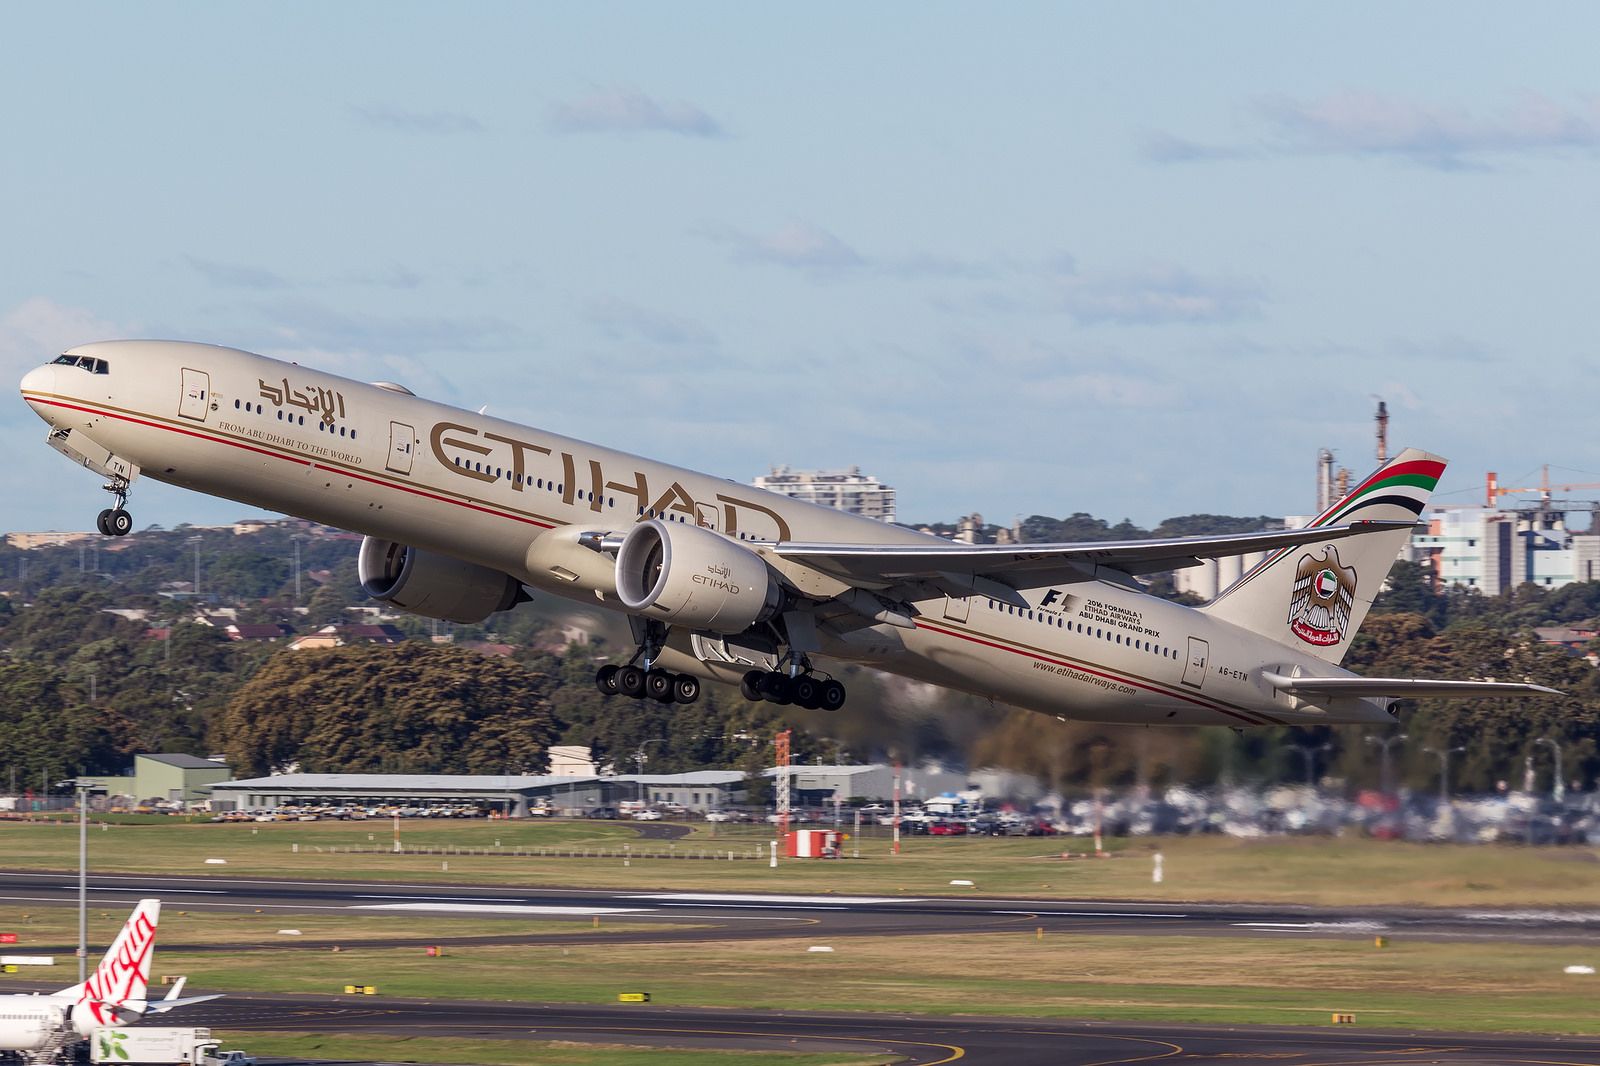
(689, 576)
(434, 585)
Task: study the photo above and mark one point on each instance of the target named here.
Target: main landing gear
(664, 686)
(647, 681)
(802, 690)
(116, 521)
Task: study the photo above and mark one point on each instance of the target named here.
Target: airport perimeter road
(919, 1038)
(725, 916)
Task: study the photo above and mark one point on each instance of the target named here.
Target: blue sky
(1135, 259)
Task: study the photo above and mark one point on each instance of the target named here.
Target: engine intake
(434, 585)
(689, 576)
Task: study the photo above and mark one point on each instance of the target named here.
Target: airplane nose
(39, 381)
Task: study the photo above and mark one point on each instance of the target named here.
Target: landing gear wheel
(119, 523)
(807, 693)
(750, 686)
(605, 679)
(630, 681)
(832, 695)
(103, 523)
(658, 685)
(685, 688)
(778, 689)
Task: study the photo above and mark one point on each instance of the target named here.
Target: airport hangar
(700, 790)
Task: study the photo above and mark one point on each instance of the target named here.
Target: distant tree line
(81, 690)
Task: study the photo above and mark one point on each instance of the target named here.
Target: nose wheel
(116, 521)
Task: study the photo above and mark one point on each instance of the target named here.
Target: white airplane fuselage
(511, 498)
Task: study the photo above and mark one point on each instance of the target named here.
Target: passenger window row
(292, 418)
(1112, 635)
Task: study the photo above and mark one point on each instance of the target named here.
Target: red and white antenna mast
(781, 745)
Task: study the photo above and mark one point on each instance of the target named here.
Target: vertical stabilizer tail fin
(1315, 597)
(123, 976)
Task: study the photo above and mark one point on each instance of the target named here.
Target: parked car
(601, 812)
(647, 815)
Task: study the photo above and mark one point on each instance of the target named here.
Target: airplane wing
(1396, 687)
(886, 564)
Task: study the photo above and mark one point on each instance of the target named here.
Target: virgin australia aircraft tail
(118, 990)
(1314, 597)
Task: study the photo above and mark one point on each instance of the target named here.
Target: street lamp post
(1382, 744)
(1444, 770)
(1558, 790)
(83, 787)
(196, 542)
(1309, 753)
(639, 756)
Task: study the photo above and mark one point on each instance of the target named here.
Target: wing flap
(1398, 687)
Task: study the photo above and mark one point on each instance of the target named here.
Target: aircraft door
(1194, 670)
(401, 440)
(196, 397)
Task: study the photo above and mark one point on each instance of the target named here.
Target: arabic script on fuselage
(325, 404)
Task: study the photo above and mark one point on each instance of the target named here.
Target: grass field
(1215, 980)
(1308, 870)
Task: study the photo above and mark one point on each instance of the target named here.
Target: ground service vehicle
(148, 1045)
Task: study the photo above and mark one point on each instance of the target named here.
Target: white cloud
(625, 321)
(311, 324)
(236, 275)
(798, 245)
(1157, 295)
(627, 110)
(1362, 124)
(37, 330)
(390, 117)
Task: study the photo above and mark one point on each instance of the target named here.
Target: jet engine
(434, 585)
(689, 576)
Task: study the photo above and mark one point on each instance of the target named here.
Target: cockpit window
(84, 362)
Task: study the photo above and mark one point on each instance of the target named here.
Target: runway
(921, 1039)
(728, 916)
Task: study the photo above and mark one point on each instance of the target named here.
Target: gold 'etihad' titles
(492, 452)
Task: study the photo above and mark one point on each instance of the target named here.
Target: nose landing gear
(116, 521)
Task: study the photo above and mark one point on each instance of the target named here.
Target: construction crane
(1493, 490)
(1547, 513)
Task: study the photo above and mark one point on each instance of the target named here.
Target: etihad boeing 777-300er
(40, 1026)
(464, 513)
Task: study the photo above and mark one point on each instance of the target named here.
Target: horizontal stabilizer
(1397, 687)
(161, 1006)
